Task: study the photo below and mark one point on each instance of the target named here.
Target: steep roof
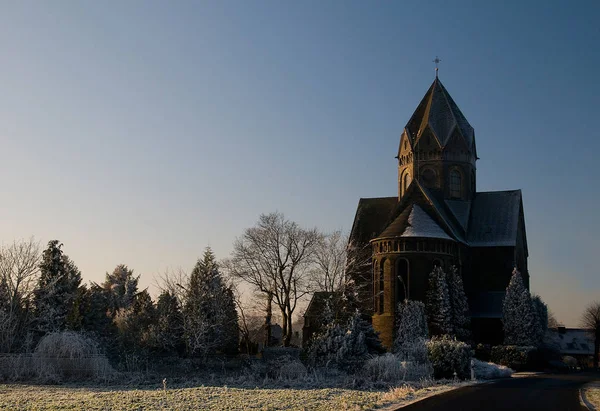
(371, 217)
(572, 341)
(494, 220)
(318, 302)
(491, 219)
(414, 222)
(438, 110)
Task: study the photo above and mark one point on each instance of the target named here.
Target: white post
(472, 370)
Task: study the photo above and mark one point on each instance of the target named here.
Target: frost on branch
(439, 311)
(411, 332)
(520, 321)
(461, 321)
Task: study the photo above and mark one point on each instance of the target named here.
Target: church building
(438, 218)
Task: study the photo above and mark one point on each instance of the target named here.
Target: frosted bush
(67, 354)
(388, 368)
(384, 368)
(66, 344)
(489, 371)
(449, 357)
(413, 351)
(291, 370)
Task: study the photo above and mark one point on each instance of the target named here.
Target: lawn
(42, 397)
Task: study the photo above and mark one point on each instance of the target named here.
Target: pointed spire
(438, 112)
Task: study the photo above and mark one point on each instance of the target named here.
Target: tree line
(196, 314)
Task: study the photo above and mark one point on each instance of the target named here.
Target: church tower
(437, 219)
(437, 147)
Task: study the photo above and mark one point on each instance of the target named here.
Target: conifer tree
(411, 331)
(520, 321)
(168, 330)
(210, 318)
(461, 320)
(121, 287)
(56, 289)
(541, 311)
(439, 311)
(134, 322)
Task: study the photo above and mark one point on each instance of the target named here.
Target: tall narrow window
(401, 280)
(405, 182)
(455, 184)
(375, 274)
(381, 287)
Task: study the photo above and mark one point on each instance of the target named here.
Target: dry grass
(32, 397)
(592, 394)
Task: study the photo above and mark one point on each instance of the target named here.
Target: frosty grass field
(41, 397)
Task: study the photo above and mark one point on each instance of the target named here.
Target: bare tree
(330, 262)
(274, 258)
(591, 320)
(359, 276)
(173, 280)
(552, 321)
(19, 270)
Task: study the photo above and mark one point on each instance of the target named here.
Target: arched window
(375, 274)
(405, 182)
(401, 280)
(455, 184)
(381, 287)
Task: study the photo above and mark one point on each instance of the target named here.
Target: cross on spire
(437, 61)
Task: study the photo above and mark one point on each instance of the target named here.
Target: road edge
(401, 404)
(583, 399)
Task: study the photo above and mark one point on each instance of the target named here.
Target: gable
(371, 217)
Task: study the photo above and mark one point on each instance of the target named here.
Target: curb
(583, 399)
(402, 404)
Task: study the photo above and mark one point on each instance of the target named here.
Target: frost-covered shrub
(69, 354)
(384, 368)
(489, 371)
(389, 369)
(411, 331)
(513, 356)
(291, 370)
(413, 351)
(449, 357)
(346, 348)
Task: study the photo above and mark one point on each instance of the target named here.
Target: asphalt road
(539, 392)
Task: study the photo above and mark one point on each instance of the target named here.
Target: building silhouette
(437, 218)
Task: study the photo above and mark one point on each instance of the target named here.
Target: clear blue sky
(141, 132)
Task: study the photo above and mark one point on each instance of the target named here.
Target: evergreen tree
(439, 311)
(541, 311)
(56, 289)
(210, 318)
(8, 324)
(134, 323)
(461, 321)
(411, 331)
(168, 330)
(520, 321)
(121, 287)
